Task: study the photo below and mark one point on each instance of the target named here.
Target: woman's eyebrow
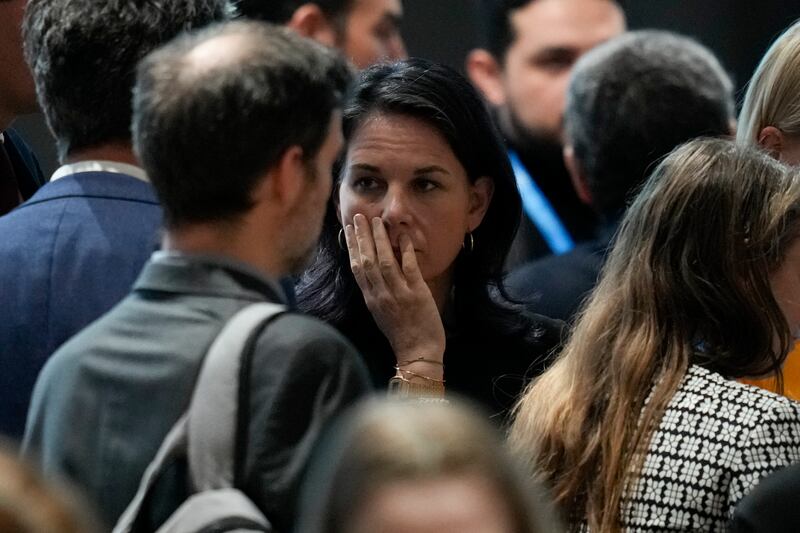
(431, 169)
(364, 166)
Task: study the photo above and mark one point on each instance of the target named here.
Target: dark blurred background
(739, 31)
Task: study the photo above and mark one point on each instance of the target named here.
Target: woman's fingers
(367, 254)
(374, 263)
(387, 263)
(397, 297)
(355, 258)
(409, 259)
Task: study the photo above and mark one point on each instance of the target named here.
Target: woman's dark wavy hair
(441, 97)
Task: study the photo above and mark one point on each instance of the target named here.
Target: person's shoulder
(39, 218)
(586, 258)
(298, 352)
(771, 506)
(748, 397)
(64, 366)
(305, 336)
(555, 285)
(31, 214)
(750, 414)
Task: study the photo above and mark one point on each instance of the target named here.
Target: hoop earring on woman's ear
(469, 243)
(339, 239)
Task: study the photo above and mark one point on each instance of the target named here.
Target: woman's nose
(396, 209)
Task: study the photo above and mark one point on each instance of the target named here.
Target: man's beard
(540, 151)
(300, 261)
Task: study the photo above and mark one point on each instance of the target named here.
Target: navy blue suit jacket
(557, 285)
(67, 255)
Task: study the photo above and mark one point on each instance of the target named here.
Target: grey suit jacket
(107, 398)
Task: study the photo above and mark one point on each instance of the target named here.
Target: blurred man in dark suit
(630, 102)
(529, 49)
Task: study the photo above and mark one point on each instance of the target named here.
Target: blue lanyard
(539, 210)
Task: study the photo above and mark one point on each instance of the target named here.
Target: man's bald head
(221, 106)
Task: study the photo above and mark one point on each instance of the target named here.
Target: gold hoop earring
(340, 239)
(468, 239)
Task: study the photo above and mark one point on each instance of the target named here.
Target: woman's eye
(425, 185)
(366, 184)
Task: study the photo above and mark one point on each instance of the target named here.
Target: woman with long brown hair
(638, 424)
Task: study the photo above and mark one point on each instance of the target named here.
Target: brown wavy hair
(687, 282)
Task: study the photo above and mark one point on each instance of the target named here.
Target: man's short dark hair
(83, 55)
(280, 11)
(494, 23)
(207, 134)
(634, 99)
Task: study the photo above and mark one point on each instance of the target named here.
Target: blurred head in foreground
(423, 467)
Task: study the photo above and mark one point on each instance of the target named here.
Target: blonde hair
(773, 93)
(386, 441)
(687, 282)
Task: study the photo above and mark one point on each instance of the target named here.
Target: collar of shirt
(100, 166)
(224, 262)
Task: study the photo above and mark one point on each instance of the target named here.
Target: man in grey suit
(238, 128)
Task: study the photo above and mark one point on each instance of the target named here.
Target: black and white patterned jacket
(716, 440)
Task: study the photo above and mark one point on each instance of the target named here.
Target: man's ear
(310, 21)
(577, 175)
(285, 182)
(487, 75)
(479, 200)
(771, 139)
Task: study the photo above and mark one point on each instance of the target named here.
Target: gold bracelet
(420, 360)
(400, 387)
(410, 373)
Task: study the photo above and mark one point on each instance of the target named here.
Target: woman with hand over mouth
(422, 216)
